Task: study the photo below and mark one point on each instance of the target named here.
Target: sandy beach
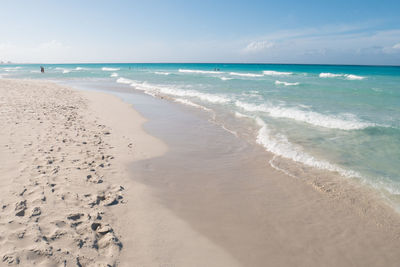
(83, 184)
(61, 183)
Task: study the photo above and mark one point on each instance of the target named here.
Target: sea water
(344, 119)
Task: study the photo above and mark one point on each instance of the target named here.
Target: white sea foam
(347, 122)
(276, 73)
(241, 115)
(329, 75)
(246, 74)
(193, 93)
(286, 83)
(162, 73)
(200, 71)
(354, 77)
(80, 68)
(63, 70)
(279, 145)
(225, 78)
(174, 91)
(109, 69)
(114, 74)
(124, 81)
(190, 103)
(347, 76)
(8, 69)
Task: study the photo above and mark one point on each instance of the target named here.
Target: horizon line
(227, 63)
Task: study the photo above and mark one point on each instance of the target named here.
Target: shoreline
(158, 223)
(211, 192)
(328, 181)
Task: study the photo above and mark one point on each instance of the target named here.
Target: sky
(279, 31)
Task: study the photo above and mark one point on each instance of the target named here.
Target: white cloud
(340, 45)
(258, 46)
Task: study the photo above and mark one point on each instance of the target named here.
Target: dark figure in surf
(41, 69)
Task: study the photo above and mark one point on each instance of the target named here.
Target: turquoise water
(339, 118)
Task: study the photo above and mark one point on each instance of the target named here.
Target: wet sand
(225, 189)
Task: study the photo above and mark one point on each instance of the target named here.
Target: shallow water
(344, 119)
(220, 185)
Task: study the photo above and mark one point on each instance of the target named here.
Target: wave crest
(190, 103)
(310, 117)
(276, 73)
(246, 74)
(109, 69)
(286, 83)
(354, 77)
(334, 75)
(155, 89)
(279, 145)
(162, 73)
(200, 71)
(124, 81)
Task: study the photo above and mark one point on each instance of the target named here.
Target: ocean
(339, 119)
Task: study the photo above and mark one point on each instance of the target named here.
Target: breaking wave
(246, 74)
(200, 71)
(169, 90)
(347, 76)
(285, 83)
(279, 145)
(276, 73)
(162, 73)
(109, 69)
(348, 122)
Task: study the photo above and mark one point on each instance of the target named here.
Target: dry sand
(67, 199)
(65, 195)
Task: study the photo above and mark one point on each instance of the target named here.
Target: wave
(310, 117)
(8, 69)
(114, 74)
(286, 83)
(354, 77)
(246, 74)
(347, 76)
(192, 93)
(124, 81)
(225, 78)
(190, 103)
(162, 73)
(279, 145)
(168, 90)
(241, 115)
(109, 69)
(329, 75)
(80, 68)
(63, 70)
(200, 71)
(276, 73)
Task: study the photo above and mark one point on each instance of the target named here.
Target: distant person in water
(41, 69)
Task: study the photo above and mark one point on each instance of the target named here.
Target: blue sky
(332, 32)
